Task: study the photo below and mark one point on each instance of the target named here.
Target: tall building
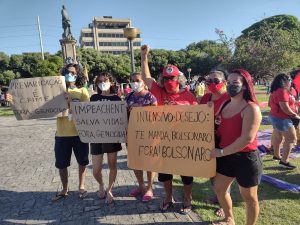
(105, 34)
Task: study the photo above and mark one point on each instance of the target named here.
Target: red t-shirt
(181, 98)
(281, 95)
(230, 129)
(217, 103)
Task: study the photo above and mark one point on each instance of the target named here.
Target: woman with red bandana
(217, 96)
(170, 90)
(237, 157)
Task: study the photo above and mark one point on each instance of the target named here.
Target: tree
(7, 76)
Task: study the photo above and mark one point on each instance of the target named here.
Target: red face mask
(214, 88)
(171, 85)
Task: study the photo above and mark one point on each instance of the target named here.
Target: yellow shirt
(199, 91)
(64, 127)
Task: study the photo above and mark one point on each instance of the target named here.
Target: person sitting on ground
(138, 98)
(169, 91)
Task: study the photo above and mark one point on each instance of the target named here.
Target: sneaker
(287, 165)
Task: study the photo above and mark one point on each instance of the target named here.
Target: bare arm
(145, 68)
(251, 121)
(286, 108)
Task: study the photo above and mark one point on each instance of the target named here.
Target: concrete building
(105, 34)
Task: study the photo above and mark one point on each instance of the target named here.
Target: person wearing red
(237, 157)
(217, 96)
(169, 90)
(283, 111)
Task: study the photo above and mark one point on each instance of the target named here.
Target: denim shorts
(280, 124)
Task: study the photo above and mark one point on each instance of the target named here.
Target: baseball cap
(170, 70)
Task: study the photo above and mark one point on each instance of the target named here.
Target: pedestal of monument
(68, 49)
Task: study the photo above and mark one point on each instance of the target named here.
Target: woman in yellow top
(66, 137)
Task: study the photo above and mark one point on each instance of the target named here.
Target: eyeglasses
(170, 78)
(215, 80)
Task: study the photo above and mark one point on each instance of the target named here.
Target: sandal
(219, 212)
(83, 193)
(59, 196)
(148, 196)
(109, 198)
(102, 195)
(135, 192)
(185, 210)
(165, 206)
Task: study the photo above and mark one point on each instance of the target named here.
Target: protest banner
(100, 122)
(172, 139)
(39, 97)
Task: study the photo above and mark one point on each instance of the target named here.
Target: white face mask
(104, 86)
(137, 86)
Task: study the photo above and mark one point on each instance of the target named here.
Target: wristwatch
(221, 151)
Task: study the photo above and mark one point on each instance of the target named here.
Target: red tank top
(230, 129)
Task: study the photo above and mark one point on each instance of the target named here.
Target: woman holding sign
(170, 90)
(141, 97)
(217, 96)
(107, 91)
(237, 158)
(66, 137)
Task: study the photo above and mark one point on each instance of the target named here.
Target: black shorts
(63, 151)
(295, 122)
(162, 177)
(246, 167)
(98, 149)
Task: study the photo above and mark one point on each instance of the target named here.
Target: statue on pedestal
(66, 24)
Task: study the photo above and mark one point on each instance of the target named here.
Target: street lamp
(189, 71)
(130, 33)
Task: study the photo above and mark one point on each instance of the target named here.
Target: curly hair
(181, 79)
(279, 81)
(112, 80)
(80, 79)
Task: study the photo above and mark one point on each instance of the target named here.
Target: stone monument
(67, 42)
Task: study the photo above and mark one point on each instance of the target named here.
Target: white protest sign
(100, 122)
(39, 97)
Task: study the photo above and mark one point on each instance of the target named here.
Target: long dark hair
(279, 81)
(80, 79)
(113, 87)
(247, 82)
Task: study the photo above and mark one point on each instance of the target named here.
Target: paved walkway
(29, 180)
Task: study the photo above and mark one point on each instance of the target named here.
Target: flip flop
(109, 201)
(104, 195)
(83, 194)
(165, 206)
(185, 210)
(59, 196)
(219, 212)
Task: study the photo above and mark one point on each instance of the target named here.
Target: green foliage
(7, 76)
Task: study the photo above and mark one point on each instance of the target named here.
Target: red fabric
(249, 82)
(296, 82)
(230, 129)
(217, 103)
(163, 98)
(170, 70)
(281, 95)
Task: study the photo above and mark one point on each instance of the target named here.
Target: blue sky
(167, 24)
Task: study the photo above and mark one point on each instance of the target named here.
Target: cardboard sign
(100, 122)
(39, 97)
(172, 139)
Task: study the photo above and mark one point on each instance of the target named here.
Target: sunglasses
(215, 80)
(170, 78)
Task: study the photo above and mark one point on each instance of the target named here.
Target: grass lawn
(277, 207)
(6, 111)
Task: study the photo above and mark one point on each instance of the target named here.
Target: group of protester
(237, 120)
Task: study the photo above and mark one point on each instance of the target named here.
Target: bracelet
(221, 151)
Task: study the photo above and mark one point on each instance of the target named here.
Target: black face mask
(233, 90)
